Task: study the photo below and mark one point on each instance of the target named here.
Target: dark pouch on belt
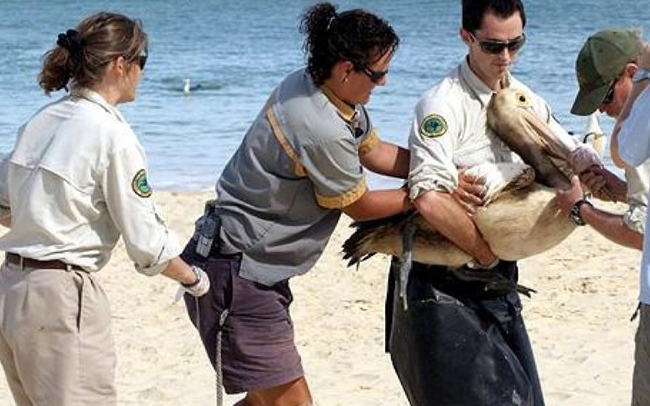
(208, 231)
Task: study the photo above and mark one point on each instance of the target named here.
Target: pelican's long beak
(549, 140)
(511, 117)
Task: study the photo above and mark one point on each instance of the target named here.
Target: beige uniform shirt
(76, 181)
(450, 130)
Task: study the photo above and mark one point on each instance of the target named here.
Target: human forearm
(449, 218)
(180, 271)
(378, 204)
(193, 280)
(387, 159)
(611, 226)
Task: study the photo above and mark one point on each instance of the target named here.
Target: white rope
(217, 359)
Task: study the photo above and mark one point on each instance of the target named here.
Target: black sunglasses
(609, 96)
(494, 47)
(142, 59)
(375, 75)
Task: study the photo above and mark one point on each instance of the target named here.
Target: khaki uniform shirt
(450, 130)
(281, 194)
(75, 181)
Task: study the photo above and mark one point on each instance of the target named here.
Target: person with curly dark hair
(299, 166)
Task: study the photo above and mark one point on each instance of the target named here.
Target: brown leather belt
(34, 263)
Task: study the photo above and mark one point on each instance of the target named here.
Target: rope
(217, 359)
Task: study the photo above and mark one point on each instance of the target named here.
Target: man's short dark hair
(475, 10)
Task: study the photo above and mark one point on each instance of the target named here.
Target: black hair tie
(72, 41)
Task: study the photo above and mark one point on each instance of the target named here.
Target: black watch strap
(575, 216)
(197, 273)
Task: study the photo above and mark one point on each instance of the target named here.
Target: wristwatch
(641, 75)
(575, 216)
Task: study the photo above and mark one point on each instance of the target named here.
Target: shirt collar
(94, 97)
(476, 85)
(346, 111)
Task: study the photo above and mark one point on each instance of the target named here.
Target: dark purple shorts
(257, 342)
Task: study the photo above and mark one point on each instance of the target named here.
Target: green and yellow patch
(433, 126)
(140, 185)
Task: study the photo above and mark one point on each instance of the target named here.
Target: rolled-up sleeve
(148, 241)
(335, 170)
(634, 218)
(432, 141)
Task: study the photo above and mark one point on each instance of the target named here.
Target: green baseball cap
(600, 62)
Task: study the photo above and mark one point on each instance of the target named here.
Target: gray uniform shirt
(279, 197)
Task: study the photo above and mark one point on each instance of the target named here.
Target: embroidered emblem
(433, 126)
(140, 185)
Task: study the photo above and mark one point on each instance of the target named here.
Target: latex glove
(584, 157)
(198, 288)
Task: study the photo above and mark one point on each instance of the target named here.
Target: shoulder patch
(140, 185)
(433, 126)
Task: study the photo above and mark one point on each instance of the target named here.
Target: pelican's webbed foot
(493, 282)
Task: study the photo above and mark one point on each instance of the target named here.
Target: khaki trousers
(56, 343)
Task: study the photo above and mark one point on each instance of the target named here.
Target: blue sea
(239, 50)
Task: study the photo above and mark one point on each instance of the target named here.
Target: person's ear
(465, 36)
(118, 65)
(343, 70)
(630, 68)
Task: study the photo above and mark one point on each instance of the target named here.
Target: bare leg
(295, 393)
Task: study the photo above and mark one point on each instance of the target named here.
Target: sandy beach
(579, 322)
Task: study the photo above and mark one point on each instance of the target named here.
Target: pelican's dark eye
(522, 99)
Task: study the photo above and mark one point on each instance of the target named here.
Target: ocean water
(239, 50)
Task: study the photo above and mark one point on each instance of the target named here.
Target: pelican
(519, 218)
